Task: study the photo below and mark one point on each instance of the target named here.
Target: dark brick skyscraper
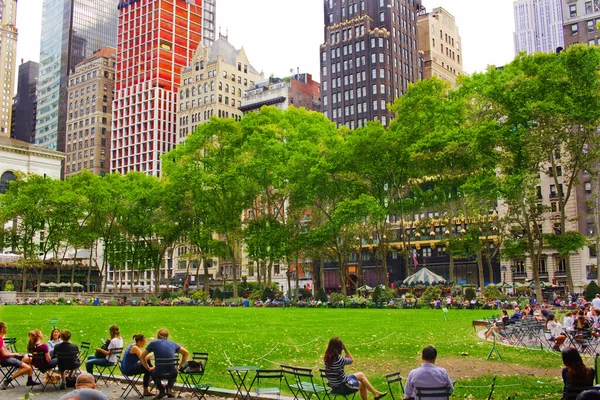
(369, 57)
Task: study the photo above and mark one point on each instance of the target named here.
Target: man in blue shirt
(427, 375)
(164, 348)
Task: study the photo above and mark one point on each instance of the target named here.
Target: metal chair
(442, 392)
(191, 379)
(132, 381)
(110, 368)
(325, 374)
(43, 376)
(267, 374)
(393, 380)
(6, 372)
(301, 383)
(165, 369)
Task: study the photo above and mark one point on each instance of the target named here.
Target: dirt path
(469, 368)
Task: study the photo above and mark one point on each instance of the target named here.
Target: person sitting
(131, 364)
(427, 375)
(575, 374)
(517, 316)
(161, 347)
(338, 380)
(85, 389)
(34, 346)
(116, 342)
(54, 340)
(15, 360)
(67, 355)
(555, 331)
(498, 324)
(568, 321)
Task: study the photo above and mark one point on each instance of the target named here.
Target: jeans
(169, 375)
(92, 360)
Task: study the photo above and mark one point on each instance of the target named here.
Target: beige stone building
(213, 85)
(90, 96)
(441, 45)
(8, 61)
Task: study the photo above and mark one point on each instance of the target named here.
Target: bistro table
(239, 375)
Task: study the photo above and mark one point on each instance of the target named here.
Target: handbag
(100, 354)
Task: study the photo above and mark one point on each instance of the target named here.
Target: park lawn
(381, 341)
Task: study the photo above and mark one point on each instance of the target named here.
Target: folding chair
(168, 366)
(68, 363)
(301, 383)
(325, 374)
(267, 374)
(53, 323)
(43, 376)
(132, 381)
(391, 380)
(11, 346)
(110, 368)
(84, 349)
(191, 379)
(443, 392)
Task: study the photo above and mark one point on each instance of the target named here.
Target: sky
(283, 35)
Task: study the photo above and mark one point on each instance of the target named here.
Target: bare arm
(144, 360)
(348, 355)
(184, 356)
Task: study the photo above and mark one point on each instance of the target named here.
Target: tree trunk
(451, 271)
(297, 279)
(235, 253)
(269, 271)
(187, 274)
(322, 271)
(480, 270)
(24, 284)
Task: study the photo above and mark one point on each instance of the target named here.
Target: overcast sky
(280, 35)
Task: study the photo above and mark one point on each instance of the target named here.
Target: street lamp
(512, 270)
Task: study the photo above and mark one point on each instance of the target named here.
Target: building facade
(297, 90)
(72, 30)
(151, 53)
(368, 58)
(90, 97)
(441, 45)
(8, 61)
(580, 18)
(538, 26)
(213, 85)
(25, 103)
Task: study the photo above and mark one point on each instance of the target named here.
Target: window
(573, 10)
(588, 187)
(590, 26)
(574, 29)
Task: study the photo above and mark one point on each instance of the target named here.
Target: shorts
(351, 385)
(11, 362)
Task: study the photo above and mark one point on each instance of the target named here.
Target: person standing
(338, 380)
(18, 361)
(162, 347)
(427, 375)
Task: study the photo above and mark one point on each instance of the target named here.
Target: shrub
(305, 294)
(267, 292)
(200, 296)
(165, 295)
(591, 290)
(8, 286)
(431, 293)
(383, 295)
(320, 295)
(337, 298)
(255, 295)
(217, 294)
(491, 292)
(469, 294)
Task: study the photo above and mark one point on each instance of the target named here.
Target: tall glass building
(72, 30)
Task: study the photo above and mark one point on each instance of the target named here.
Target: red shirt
(1, 346)
(38, 362)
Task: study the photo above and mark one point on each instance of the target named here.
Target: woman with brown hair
(35, 346)
(338, 380)
(575, 373)
(116, 342)
(131, 364)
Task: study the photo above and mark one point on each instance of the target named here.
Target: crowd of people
(59, 354)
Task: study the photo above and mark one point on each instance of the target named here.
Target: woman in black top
(575, 373)
(338, 380)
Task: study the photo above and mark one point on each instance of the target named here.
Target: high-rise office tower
(25, 103)
(8, 62)
(538, 26)
(580, 20)
(369, 57)
(156, 40)
(90, 97)
(72, 30)
(441, 45)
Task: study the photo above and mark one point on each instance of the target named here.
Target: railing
(519, 275)
(560, 274)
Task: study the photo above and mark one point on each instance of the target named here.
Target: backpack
(192, 367)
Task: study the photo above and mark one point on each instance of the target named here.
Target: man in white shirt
(596, 302)
(427, 375)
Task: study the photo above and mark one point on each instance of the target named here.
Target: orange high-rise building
(156, 39)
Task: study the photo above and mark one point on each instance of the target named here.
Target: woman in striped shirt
(336, 377)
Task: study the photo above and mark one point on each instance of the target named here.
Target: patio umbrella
(51, 284)
(63, 284)
(425, 277)
(43, 284)
(77, 285)
(505, 285)
(365, 288)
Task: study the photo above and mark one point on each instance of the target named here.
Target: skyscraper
(8, 62)
(72, 30)
(25, 103)
(538, 26)
(156, 40)
(441, 45)
(369, 57)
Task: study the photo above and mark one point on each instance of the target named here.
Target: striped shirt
(338, 376)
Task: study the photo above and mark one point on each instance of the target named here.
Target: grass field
(381, 341)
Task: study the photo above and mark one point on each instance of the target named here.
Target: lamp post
(512, 270)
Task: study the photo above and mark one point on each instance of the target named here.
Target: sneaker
(32, 383)
(6, 383)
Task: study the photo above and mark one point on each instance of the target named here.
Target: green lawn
(381, 340)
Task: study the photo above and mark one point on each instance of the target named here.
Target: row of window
(73, 168)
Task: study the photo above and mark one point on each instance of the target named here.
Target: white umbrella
(43, 284)
(51, 284)
(77, 284)
(424, 276)
(63, 284)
